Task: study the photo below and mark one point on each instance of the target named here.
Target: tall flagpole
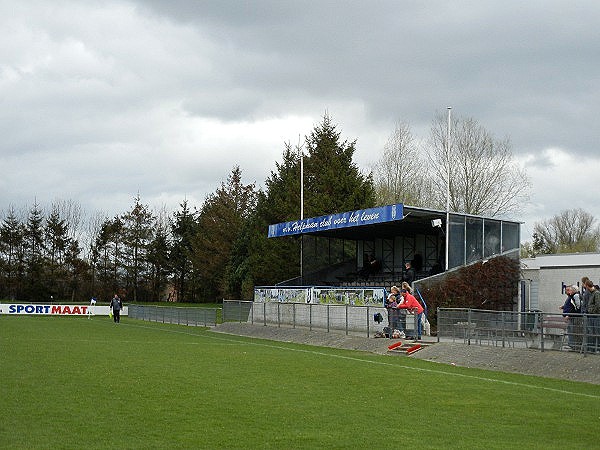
(448, 185)
(301, 185)
(301, 207)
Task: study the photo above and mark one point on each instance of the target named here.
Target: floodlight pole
(448, 185)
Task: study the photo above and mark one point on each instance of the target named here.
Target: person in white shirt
(92, 307)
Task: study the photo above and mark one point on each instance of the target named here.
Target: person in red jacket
(411, 304)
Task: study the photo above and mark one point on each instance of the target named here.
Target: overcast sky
(101, 100)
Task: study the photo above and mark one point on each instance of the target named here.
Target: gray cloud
(101, 100)
(519, 69)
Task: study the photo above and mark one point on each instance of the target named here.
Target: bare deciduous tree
(70, 211)
(571, 231)
(397, 176)
(484, 178)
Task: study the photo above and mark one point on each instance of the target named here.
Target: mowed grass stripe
(237, 341)
(70, 382)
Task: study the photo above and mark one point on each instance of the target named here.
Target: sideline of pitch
(231, 339)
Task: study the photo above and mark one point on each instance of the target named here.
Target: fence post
(265, 314)
(438, 324)
(328, 317)
(347, 319)
(469, 326)
(294, 314)
(503, 334)
(368, 322)
(310, 316)
(278, 315)
(542, 332)
(585, 336)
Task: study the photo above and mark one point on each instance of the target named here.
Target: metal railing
(200, 317)
(349, 319)
(543, 331)
(536, 330)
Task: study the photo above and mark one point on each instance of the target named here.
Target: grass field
(89, 383)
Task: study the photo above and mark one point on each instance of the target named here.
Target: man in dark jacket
(116, 306)
(572, 303)
(409, 273)
(593, 308)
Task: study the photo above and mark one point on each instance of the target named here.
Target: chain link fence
(199, 317)
(349, 319)
(535, 329)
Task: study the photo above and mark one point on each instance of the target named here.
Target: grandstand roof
(414, 220)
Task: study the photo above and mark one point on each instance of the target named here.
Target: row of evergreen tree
(197, 254)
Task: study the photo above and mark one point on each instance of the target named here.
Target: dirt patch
(551, 364)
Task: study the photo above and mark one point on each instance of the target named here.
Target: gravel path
(551, 364)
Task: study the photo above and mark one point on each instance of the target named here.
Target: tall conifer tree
(220, 223)
(332, 184)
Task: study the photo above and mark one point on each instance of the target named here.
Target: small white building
(545, 277)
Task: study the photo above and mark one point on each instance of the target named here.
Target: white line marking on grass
(435, 371)
(381, 363)
(443, 372)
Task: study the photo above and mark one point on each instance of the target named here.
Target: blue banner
(357, 218)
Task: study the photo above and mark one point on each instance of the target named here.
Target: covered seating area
(371, 247)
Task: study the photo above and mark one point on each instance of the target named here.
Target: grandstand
(337, 248)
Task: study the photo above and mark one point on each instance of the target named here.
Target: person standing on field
(91, 309)
(116, 305)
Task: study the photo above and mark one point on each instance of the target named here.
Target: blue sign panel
(357, 218)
